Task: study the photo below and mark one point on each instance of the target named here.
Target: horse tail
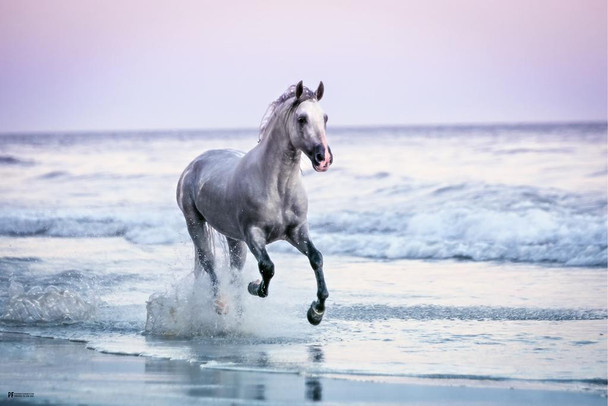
(217, 245)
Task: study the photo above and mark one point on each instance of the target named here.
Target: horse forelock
(278, 105)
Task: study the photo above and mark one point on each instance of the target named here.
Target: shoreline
(60, 371)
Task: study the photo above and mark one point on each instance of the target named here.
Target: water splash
(187, 309)
(46, 305)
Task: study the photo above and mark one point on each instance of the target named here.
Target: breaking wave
(466, 221)
(466, 233)
(475, 222)
(142, 227)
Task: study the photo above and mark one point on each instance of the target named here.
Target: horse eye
(302, 119)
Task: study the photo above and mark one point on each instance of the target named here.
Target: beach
(58, 371)
(458, 351)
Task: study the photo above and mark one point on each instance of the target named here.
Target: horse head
(308, 124)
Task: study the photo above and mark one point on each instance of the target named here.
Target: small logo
(12, 395)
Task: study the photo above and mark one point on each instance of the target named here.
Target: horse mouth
(321, 168)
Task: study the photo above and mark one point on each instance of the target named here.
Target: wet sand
(64, 372)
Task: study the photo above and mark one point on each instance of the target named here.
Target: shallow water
(473, 253)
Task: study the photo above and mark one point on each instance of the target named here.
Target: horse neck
(280, 158)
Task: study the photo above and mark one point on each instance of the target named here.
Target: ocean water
(473, 254)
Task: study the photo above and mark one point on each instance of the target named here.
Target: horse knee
(266, 268)
(260, 288)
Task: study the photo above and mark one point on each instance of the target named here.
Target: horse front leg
(300, 239)
(256, 242)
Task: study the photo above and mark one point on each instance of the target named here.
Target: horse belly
(218, 212)
(212, 196)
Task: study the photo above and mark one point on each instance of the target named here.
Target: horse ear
(299, 89)
(320, 90)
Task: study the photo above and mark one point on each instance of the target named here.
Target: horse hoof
(256, 289)
(314, 316)
(252, 288)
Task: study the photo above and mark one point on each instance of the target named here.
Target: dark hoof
(257, 289)
(314, 316)
(253, 288)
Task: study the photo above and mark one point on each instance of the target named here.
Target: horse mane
(274, 107)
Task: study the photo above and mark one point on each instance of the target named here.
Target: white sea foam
(141, 227)
(472, 221)
(467, 232)
(46, 305)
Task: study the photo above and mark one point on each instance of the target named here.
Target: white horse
(257, 198)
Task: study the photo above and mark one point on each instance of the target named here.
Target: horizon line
(336, 127)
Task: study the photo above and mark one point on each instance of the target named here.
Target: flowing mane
(274, 107)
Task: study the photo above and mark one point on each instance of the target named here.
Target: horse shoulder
(295, 206)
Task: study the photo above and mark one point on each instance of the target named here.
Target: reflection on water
(314, 389)
(315, 353)
(205, 381)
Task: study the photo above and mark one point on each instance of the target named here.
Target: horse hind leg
(204, 258)
(237, 251)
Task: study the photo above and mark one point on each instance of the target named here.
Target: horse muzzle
(321, 158)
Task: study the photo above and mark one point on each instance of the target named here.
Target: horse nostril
(319, 154)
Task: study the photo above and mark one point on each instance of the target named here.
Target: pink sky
(95, 65)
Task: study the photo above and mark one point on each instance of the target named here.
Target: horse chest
(280, 217)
